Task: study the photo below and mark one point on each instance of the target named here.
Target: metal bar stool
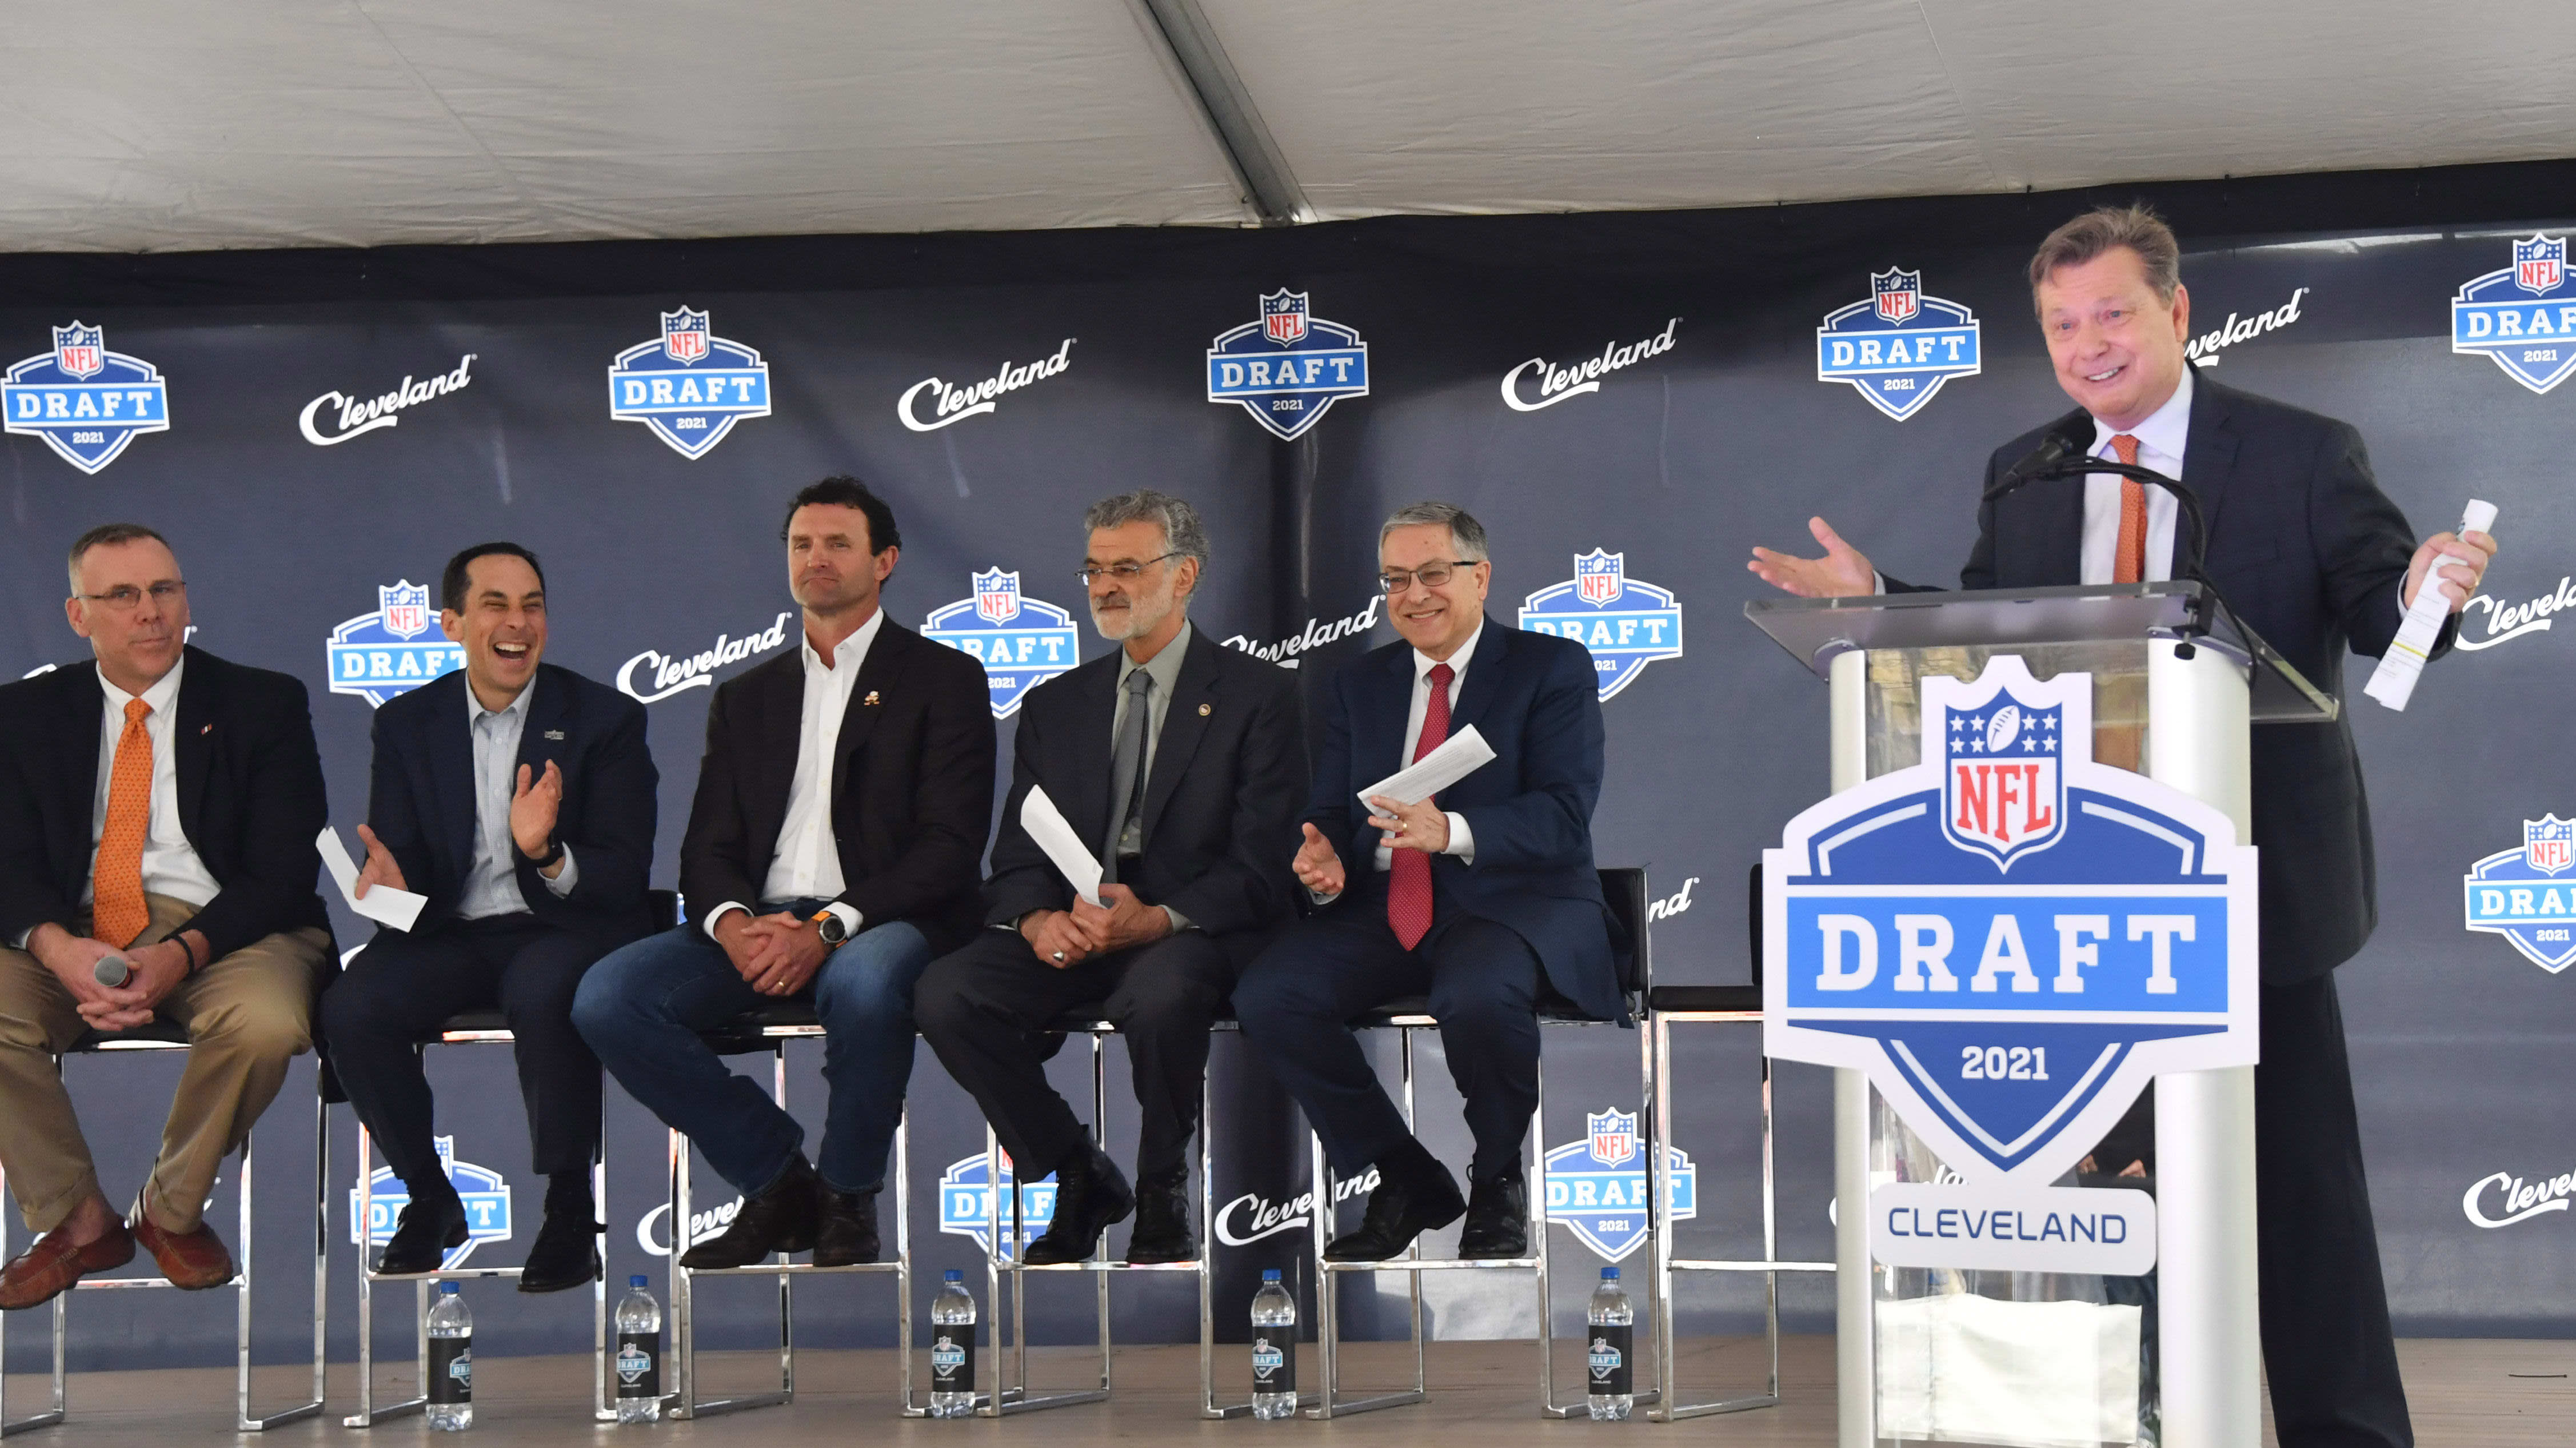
(1719, 1005)
(474, 1028)
(770, 1029)
(1625, 889)
(162, 1036)
(1012, 1395)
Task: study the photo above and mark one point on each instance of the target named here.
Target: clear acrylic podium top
(1816, 629)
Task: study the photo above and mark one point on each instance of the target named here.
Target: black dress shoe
(422, 1239)
(1162, 1221)
(1091, 1196)
(1411, 1198)
(780, 1217)
(848, 1234)
(565, 1254)
(1497, 1219)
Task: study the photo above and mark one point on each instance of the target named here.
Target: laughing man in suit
(832, 853)
(517, 796)
(1483, 897)
(2316, 559)
(1182, 764)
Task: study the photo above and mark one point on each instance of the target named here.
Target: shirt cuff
(850, 919)
(1877, 582)
(1462, 840)
(1180, 922)
(1318, 897)
(709, 924)
(23, 937)
(561, 885)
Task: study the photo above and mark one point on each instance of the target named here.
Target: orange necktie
(2129, 561)
(119, 914)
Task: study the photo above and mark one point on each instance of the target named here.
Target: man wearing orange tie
(157, 818)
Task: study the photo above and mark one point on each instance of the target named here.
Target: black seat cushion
(1705, 998)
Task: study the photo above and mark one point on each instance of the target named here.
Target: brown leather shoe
(193, 1261)
(51, 1264)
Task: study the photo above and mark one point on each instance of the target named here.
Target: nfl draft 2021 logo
(2523, 316)
(1022, 642)
(1598, 1187)
(86, 402)
(1289, 368)
(966, 1202)
(2528, 895)
(690, 387)
(2010, 939)
(485, 1191)
(392, 650)
(1626, 624)
(1899, 346)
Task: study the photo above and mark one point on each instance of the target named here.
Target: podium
(2029, 898)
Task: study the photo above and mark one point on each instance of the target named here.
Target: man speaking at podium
(2316, 559)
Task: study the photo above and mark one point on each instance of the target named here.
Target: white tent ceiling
(127, 125)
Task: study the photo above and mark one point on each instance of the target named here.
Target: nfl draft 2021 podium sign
(2011, 940)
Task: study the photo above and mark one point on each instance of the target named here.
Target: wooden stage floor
(2465, 1393)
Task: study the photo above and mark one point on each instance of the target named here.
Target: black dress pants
(402, 987)
(984, 1009)
(2328, 1350)
(1484, 982)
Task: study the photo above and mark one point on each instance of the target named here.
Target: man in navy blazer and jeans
(2316, 559)
(1483, 897)
(518, 797)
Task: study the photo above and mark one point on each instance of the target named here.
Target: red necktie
(1408, 885)
(2129, 559)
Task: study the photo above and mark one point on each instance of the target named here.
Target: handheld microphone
(112, 972)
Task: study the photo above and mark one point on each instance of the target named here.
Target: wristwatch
(831, 928)
(546, 861)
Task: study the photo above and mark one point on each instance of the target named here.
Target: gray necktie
(1126, 770)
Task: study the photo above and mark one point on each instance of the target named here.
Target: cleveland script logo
(86, 402)
(1897, 346)
(690, 387)
(2010, 939)
(1289, 368)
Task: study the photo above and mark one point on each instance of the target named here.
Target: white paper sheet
(1458, 756)
(397, 908)
(1045, 824)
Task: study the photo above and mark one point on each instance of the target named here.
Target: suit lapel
(1185, 723)
(1381, 750)
(192, 751)
(1089, 740)
(451, 772)
(875, 680)
(548, 713)
(1484, 675)
(80, 720)
(2208, 456)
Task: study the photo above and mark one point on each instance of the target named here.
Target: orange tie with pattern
(2129, 562)
(1408, 884)
(119, 914)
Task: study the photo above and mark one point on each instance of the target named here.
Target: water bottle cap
(1609, 1274)
(447, 1289)
(1269, 1274)
(955, 1275)
(635, 1281)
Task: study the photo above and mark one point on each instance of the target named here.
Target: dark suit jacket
(1220, 823)
(250, 797)
(421, 800)
(2313, 557)
(912, 785)
(1536, 699)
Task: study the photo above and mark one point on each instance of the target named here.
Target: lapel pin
(870, 701)
(208, 729)
(1206, 709)
(555, 734)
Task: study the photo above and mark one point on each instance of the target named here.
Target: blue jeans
(642, 1007)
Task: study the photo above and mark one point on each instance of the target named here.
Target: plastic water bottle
(1274, 1350)
(451, 1362)
(952, 1349)
(1610, 1376)
(639, 1355)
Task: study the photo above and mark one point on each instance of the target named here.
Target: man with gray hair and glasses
(1182, 764)
(1482, 897)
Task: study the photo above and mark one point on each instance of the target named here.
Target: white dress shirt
(1462, 841)
(2161, 437)
(492, 880)
(807, 863)
(170, 863)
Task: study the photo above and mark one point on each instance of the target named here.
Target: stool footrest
(1436, 1264)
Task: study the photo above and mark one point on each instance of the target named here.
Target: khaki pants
(246, 1016)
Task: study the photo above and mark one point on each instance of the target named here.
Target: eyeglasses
(1429, 575)
(125, 597)
(1123, 571)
